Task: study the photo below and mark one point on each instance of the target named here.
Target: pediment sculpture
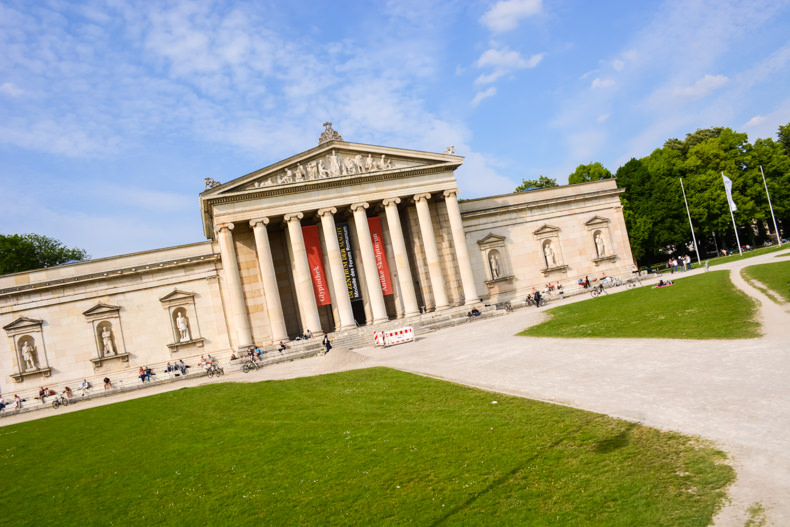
(333, 165)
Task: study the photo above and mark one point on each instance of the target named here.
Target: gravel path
(734, 392)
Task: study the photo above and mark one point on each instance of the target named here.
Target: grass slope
(367, 447)
(705, 306)
(775, 276)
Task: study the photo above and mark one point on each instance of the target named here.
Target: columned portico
(401, 257)
(230, 266)
(339, 287)
(269, 279)
(303, 283)
(431, 254)
(461, 251)
(369, 262)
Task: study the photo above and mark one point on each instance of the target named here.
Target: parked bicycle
(508, 307)
(632, 282)
(60, 400)
(598, 290)
(250, 365)
(214, 369)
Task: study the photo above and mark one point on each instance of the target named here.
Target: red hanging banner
(374, 224)
(312, 245)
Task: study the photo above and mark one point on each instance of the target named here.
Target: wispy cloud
(479, 96)
(505, 15)
(503, 61)
(703, 87)
(601, 83)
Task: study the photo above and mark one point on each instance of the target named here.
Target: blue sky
(112, 112)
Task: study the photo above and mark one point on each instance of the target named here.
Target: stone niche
(26, 338)
(550, 250)
(600, 240)
(105, 322)
(499, 276)
(182, 319)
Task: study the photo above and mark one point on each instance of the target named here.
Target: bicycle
(508, 307)
(250, 365)
(631, 282)
(213, 370)
(598, 290)
(60, 400)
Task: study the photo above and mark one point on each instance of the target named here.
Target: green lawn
(705, 306)
(366, 447)
(774, 276)
(747, 254)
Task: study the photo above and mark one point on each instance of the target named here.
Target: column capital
(328, 210)
(420, 197)
(218, 228)
(293, 216)
(450, 192)
(256, 221)
(390, 201)
(357, 206)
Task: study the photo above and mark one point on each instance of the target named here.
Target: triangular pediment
(101, 309)
(491, 239)
(176, 295)
(596, 221)
(546, 229)
(23, 323)
(332, 160)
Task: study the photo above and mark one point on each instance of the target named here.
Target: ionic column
(461, 251)
(302, 280)
(369, 261)
(230, 267)
(431, 255)
(339, 287)
(401, 257)
(269, 279)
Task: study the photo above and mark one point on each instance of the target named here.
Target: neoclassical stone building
(341, 236)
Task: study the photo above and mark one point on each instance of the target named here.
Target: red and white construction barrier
(395, 336)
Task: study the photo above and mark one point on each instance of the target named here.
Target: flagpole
(778, 238)
(735, 227)
(691, 224)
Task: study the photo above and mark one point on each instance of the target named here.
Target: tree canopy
(653, 205)
(591, 172)
(541, 182)
(23, 252)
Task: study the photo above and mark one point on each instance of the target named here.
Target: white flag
(728, 190)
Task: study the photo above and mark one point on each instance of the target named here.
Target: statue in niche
(28, 355)
(493, 260)
(548, 253)
(370, 164)
(599, 245)
(183, 327)
(334, 165)
(450, 150)
(106, 339)
(322, 170)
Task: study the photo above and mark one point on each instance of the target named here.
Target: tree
(530, 184)
(784, 137)
(23, 252)
(591, 172)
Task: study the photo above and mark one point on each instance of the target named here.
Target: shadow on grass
(616, 442)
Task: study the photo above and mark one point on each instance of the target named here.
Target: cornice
(541, 203)
(109, 275)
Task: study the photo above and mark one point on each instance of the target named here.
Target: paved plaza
(733, 392)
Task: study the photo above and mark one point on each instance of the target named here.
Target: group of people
(44, 392)
(664, 283)
(17, 402)
(556, 286)
(473, 313)
(178, 366)
(679, 264)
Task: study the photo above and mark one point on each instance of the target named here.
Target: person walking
(327, 344)
(537, 296)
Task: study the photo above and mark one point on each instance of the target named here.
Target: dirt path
(734, 392)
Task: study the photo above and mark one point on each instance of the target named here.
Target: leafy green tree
(784, 137)
(23, 252)
(591, 172)
(542, 182)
